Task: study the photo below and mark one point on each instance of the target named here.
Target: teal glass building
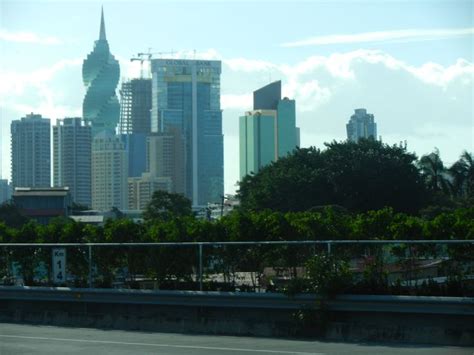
(100, 74)
(361, 125)
(269, 131)
(186, 104)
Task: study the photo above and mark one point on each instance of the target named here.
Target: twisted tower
(100, 73)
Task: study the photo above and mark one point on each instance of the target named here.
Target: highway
(39, 339)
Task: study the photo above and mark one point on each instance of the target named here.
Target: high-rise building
(5, 191)
(186, 99)
(31, 152)
(165, 154)
(100, 74)
(135, 106)
(109, 172)
(141, 189)
(135, 123)
(135, 146)
(164, 169)
(269, 131)
(72, 158)
(361, 125)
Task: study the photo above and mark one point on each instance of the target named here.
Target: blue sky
(410, 63)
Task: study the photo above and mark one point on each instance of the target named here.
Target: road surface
(38, 339)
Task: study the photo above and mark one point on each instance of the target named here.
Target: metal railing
(94, 256)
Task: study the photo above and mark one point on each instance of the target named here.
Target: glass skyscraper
(186, 102)
(269, 131)
(134, 126)
(361, 125)
(101, 73)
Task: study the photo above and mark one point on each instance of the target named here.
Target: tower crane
(141, 57)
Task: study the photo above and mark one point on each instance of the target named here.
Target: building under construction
(135, 106)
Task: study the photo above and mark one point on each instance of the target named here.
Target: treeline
(359, 177)
(308, 268)
(330, 223)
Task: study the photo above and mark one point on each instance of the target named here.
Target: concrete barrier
(407, 319)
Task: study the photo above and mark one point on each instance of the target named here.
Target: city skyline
(329, 69)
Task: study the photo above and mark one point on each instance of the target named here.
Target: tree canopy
(164, 206)
(361, 176)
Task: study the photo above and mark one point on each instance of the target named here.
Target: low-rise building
(43, 204)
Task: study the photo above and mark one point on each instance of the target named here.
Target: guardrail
(206, 255)
(347, 303)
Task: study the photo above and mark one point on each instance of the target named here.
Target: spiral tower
(100, 74)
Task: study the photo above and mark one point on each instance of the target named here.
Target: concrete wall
(359, 326)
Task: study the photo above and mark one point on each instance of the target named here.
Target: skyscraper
(100, 74)
(135, 123)
(269, 131)
(5, 191)
(186, 99)
(30, 151)
(72, 158)
(165, 152)
(361, 125)
(135, 106)
(109, 172)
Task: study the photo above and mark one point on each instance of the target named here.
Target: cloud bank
(28, 37)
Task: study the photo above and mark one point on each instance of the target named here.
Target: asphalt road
(31, 339)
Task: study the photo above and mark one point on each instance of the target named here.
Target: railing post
(329, 247)
(90, 266)
(200, 267)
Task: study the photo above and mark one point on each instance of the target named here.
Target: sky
(410, 63)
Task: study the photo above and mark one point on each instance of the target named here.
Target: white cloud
(14, 83)
(382, 36)
(249, 65)
(244, 101)
(28, 37)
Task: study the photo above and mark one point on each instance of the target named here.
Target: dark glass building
(101, 73)
(135, 106)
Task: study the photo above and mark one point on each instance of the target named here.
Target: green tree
(462, 172)
(11, 215)
(358, 176)
(435, 174)
(293, 183)
(164, 206)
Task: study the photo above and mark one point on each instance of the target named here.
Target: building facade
(141, 189)
(72, 146)
(135, 106)
(100, 74)
(135, 146)
(186, 100)
(109, 172)
(165, 153)
(43, 204)
(5, 191)
(269, 131)
(31, 152)
(361, 125)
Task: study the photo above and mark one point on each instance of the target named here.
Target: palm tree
(462, 172)
(435, 173)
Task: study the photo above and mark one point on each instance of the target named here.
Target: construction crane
(141, 57)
